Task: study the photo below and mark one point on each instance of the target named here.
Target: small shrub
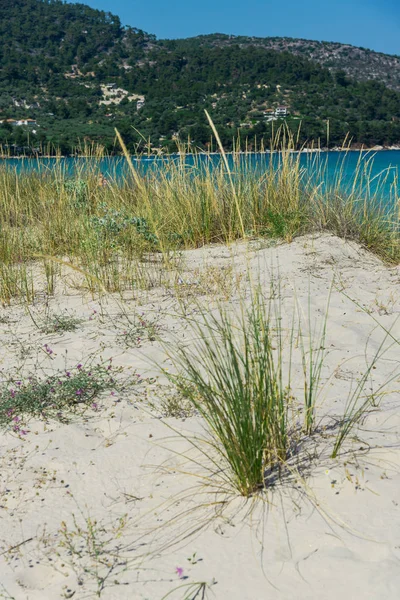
(113, 222)
(77, 190)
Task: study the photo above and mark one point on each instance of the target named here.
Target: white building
(281, 111)
(20, 122)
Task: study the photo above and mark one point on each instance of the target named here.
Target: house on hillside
(28, 122)
(20, 122)
(140, 103)
(281, 112)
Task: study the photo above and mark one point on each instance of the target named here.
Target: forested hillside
(78, 73)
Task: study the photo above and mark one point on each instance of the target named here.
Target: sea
(369, 172)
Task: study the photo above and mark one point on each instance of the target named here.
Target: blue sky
(373, 24)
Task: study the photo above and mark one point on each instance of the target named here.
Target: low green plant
(139, 330)
(77, 191)
(57, 396)
(177, 402)
(113, 222)
(92, 549)
(61, 323)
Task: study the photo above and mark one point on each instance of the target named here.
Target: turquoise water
(383, 167)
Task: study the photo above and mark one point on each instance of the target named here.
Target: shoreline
(230, 153)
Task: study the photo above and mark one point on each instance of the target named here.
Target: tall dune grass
(238, 372)
(106, 231)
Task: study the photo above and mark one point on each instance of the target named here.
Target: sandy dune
(113, 503)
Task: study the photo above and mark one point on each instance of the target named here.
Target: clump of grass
(313, 358)
(237, 375)
(240, 390)
(57, 396)
(16, 282)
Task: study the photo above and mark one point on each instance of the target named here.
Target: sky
(373, 24)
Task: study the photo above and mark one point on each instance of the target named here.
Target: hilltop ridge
(361, 64)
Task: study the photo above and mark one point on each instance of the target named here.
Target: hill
(360, 64)
(77, 73)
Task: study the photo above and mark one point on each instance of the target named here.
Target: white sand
(336, 534)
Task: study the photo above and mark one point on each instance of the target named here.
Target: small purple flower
(179, 572)
(12, 393)
(68, 374)
(79, 392)
(112, 393)
(16, 419)
(18, 383)
(24, 432)
(79, 367)
(95, 405)
(10, 412)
